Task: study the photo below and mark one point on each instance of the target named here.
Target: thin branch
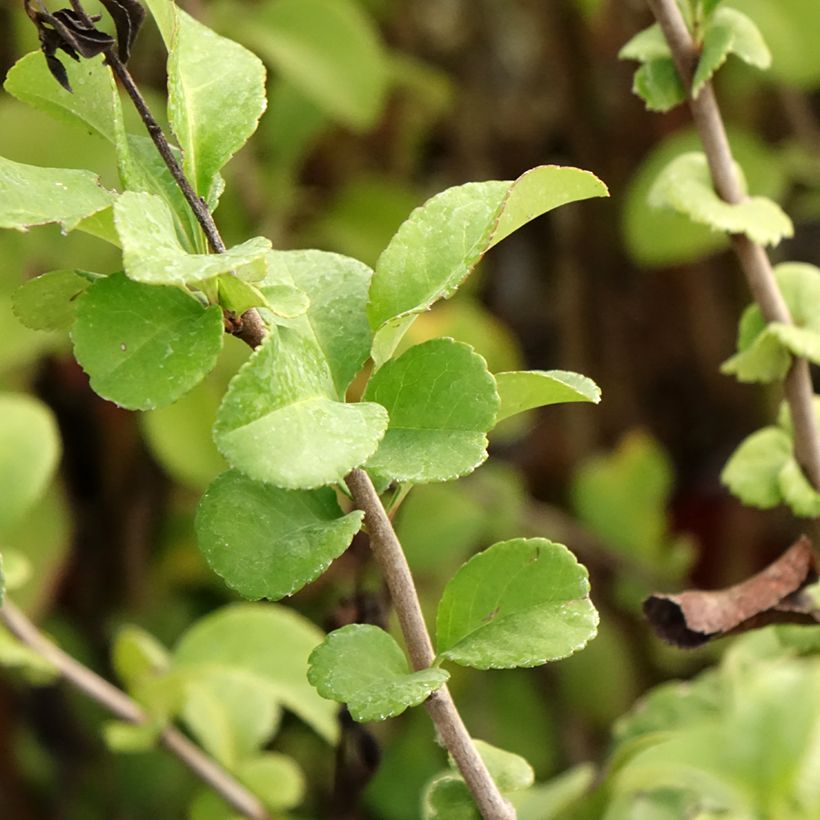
(123, 707)
(753, 258)
(391, 559)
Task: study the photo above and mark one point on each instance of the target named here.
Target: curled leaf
(696, 616)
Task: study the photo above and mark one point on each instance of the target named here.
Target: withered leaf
(774, 595)
(127, 16)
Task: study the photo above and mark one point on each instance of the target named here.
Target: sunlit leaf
(144, 346)
(519, 603)
(752, 473)
(362, 666)
(525, 389)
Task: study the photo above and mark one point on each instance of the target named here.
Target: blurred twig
(125, 708)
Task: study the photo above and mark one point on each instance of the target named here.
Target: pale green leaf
(441, 400)
(47, 302)
(646, 45)
(267, 542)
(216, 94)
(752, 473)
(798, 340)
(764, 360)
(448, 798)
(152, 252)
(336, 287)
(275, 779)
(29, 452)
(36, 196)
(238, 296)
(271, 645)
(547, 801)
(279, 422)
(658, 84)
(92, 104)
(522, 602)
(362, 666)
(522, 390)
(16, 655)
(137, 655)
(717, 44)
(15, 571)
(686, 186)
(328, 49)
(797, 491)
(207, 805)
(144, 346)
(800, 285)
(444, 239)
(128, 738)
(510, 771)
(388, 337)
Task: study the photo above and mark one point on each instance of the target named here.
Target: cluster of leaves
(290, 426)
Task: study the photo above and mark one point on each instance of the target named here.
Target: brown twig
(391, 559)
(753, 258)
(125, 708)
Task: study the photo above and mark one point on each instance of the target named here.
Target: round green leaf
(525, 389)
(276, 779)
(48, 301)
(362, 666)
(797, 491)
(267, 542)
(29, 452)
(441, 400)
(270, 644)
(144, 346)
(279, 422)
(519, 603)
(752, 473)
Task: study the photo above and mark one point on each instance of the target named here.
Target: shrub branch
(125, 708)
(753, 258)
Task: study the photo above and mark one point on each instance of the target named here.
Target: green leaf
(216, 94)
(423, 263)
(523, 390)
(646, 45)
(144, 346)
(152, 252)
(137, 656)
(510, 771)
(128, 738)
(441, 400)
(238, 296)
(16, 570)
(717, 45)
(279, 421)
(448, 798)
(266, 542)
(328, 49)
(546, 801)
(16, 655)
(686, 186)
(47, 302)
(275, 779)
(797, 491)
(658, 84)
(336, 287)
(522, 602)
(766, 359)
(93, 104)
(36, 196)
(29, 452)
(270, 644)
(753, 471)
(362, 666)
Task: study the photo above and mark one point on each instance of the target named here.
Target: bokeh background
(402, 99)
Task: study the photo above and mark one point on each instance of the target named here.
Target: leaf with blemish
(522, 602)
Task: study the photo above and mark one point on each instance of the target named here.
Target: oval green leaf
(522, 602)
(523, 390)
(279, 422)
(144, 346)
(362, 666)
(267, 542)
(48, 302)
(441, 400)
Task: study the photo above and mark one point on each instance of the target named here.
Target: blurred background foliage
(374, 105)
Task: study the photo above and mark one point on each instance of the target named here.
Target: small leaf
(152, 252)
(16, 655)
(270, 644)
(510, 771)
(47, 302)
(29, 452)
(16, 570)
(764, 360)
(441, 400)
(128, 738)
(266, 542)
(279, 421)
(275, 779)
(36, 196)
(646, 45)
(752, 473)
(523, 390)
(685, 185)
(797, 491)
(362, 666)
(137, 655)
(717, 44)
(423, 263)
(448, 798)
(330, 51)
(336, 287)
(519, 603)
(238, 296)
(658, 84)
(144, 346)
